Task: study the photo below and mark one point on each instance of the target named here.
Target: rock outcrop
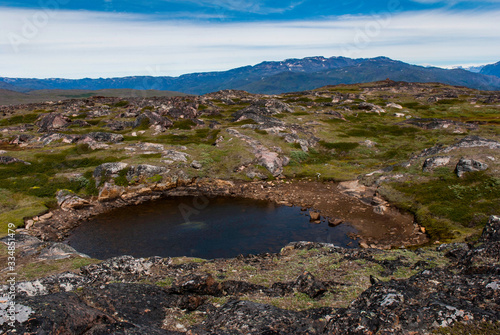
(469, 165)
(6, 160)
(433, 162)
(52, 121)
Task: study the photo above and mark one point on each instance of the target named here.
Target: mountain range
(277, 77)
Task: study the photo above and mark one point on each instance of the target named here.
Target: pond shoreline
(379, 225)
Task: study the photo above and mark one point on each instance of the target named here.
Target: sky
(116, 38)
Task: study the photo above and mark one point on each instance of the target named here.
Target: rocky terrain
(305, 289)
(415, 165)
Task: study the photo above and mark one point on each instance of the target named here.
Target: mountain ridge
(298, 74)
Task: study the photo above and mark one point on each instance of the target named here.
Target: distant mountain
(274, 77)
(491, 70)
(475, 69)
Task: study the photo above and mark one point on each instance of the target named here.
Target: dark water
(201, 227)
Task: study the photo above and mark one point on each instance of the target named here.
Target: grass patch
(449, 204)
(341, 146)
(19, 119)
(122, 103)
(201, 136)
(185, 124)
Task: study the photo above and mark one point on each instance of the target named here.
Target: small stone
(46, 216)
(196, 165)
(314, 216)
(29, 224)
(335, 222)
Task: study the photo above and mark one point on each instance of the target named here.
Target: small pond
(201, 227)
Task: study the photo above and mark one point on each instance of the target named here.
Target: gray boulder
(469, 165)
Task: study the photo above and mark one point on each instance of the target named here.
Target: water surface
(201, 227)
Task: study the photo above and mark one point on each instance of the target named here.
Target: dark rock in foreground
(106, 298)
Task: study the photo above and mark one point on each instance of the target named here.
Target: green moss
(121, 179)
(185, 124)
(474, 328)
(122, 103)
(20, 119)
(341, 146)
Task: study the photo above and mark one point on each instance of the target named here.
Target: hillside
(9, 97)
(274, 77)
(491, 70)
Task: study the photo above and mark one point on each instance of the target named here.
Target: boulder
(20, 139)
(371, 108)
(491, 233)
(110, 192)
(6, 160)
(393, 105)
(306, 283)
(258, 175)
(101, 137)
(171, 156)
(68, 200)
(143, 171)
(52, 121)
(315, 216)
(196, 165)
(153, 119)
(108, 169)
(469, 165)
(433, 162)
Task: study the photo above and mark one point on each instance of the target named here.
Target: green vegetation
(19, 119)
(441, 203)
(474, 328)
(184, 124)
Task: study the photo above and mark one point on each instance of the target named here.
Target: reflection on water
(223, 227)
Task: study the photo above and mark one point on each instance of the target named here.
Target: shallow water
(201, 227)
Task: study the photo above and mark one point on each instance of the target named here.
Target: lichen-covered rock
(469, 165)
(152, 119)
(171, 156)
(143, 171)
(67, 200)
(52, 121)
(109, 170)
(101, 137)
(433, 162)
(110, 192)
(371, 108)
(491, 232)
(6, 160)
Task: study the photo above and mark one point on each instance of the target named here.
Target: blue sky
(112, 38)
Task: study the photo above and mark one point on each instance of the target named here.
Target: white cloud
(89, 44)
(259, 7)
